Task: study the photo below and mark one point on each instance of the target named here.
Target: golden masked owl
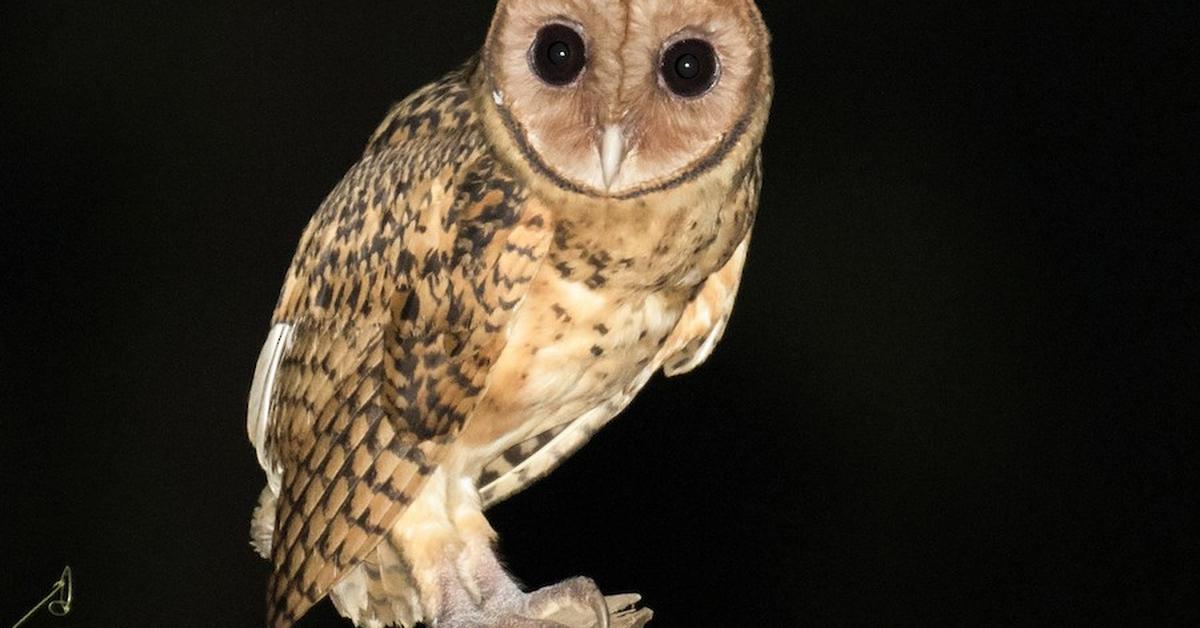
(521, 246)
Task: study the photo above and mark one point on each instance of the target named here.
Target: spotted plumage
(469, 306)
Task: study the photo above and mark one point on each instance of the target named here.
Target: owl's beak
(612, 152)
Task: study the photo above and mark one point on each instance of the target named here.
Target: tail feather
(396, 580)
(379, 591)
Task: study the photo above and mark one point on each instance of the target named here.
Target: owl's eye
(558, 54)
(689, 67)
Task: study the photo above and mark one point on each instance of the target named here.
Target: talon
(575, 603)
(593, 597)
(601, 613)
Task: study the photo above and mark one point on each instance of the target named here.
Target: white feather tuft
(262, 524)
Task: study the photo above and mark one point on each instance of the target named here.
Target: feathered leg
(477, 591)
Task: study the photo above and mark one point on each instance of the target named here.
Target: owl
(522, 244)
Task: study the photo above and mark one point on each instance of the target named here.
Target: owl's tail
(379, 591)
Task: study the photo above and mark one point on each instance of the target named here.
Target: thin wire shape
(58, 601)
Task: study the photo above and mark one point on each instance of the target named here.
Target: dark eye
(558, 54)
(689, 67)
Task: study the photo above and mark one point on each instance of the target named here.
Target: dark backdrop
(953, 391)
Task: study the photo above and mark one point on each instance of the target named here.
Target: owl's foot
(574, 603)
(620, 610)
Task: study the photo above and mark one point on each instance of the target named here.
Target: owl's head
(618, 98)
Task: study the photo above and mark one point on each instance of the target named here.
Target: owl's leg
(462, 584)
(477, 591)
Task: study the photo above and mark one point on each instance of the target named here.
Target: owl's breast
(671, 242)
(571, 348)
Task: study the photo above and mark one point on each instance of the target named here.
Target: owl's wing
(398, 306)
(703, 322)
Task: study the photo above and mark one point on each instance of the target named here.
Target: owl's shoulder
(427, 188)
(441, 108)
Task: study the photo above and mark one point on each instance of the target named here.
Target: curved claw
(601, 608)
(624, 612)
(568, 603)
(590, 594)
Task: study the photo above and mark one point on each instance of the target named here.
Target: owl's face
(615, 98)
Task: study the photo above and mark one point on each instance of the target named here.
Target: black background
(954, 391)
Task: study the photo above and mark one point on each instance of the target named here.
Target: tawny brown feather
(471, 303)
(398, 294)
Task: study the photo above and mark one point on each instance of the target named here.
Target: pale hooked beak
(612, 152)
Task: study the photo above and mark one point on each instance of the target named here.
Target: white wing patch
(258, 414)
